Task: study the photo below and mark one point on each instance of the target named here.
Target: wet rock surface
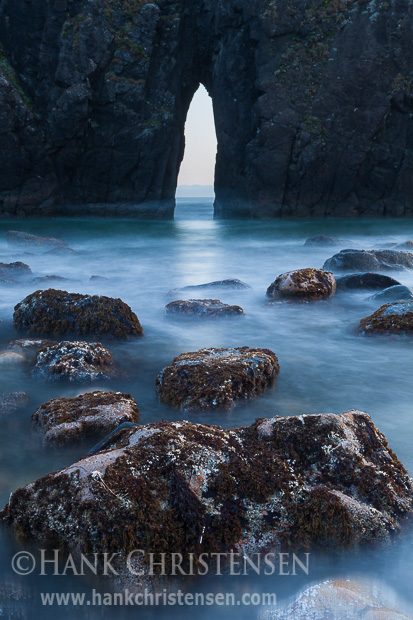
(303, 285)
(57, 312)
(369, 280)
(201, 308)
(75, 361)
(214, 378)
(392, 318)
(12, 401)
(22, 239)
(393, 293)
(67, 420)
(321, 479)
(370, 260)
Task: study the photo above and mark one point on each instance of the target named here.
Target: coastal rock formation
(369, 280)
(312, 104)
(26, 240)
(392, 318)
(178, 487)
(58, 312)
(67, 420)
(370, 260)
(303, 285)
(214, 378)
(75, 361)
(393, 293)
(201, 308)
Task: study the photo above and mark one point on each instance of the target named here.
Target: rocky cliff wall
(312, 101)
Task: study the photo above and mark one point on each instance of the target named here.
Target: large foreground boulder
(368, 280)
(303, 285)
(178, 487)
(67, 420)
(26, 240)
(369, 260)
(214, 378)
(392, 318)
(75, 361)
(201, 308)
(58, 313)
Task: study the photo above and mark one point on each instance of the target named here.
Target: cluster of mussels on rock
(301, 480)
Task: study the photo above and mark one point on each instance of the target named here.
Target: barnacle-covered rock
(58, 312)
(75, 361)
(173, 487)
(24, 239)
(214, 378)
(201, 308)
(303, 285)
(66, 420)
(370, 260)
(368, 280)
(392, 318)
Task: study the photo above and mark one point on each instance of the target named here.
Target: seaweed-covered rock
(323, 240)
(212, 378)
(14, 270)
(201, 308)
(67, 420)
(392, 318)
(393, 293)
(369, 280)
(174, 487)
(12, 401)
(303, 285)
(231, 284)
(370, 260)
(75, 361)
(58, 312)
(23, 239)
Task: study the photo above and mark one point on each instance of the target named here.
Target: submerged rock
(303, 285)
(392, 318)
(23, 239)
(201, 308)
(212, 378)
(10, 358)
(340, 599)
(12, 401)
(171, 487)
(14, 270)
(75, 361)
(58, 312)
(407, 245)
(231, 284)
(323, 240)
(48, 279)
(29, 347)
(369, 280)
(393, 293)
(369, 260)
(67, 420)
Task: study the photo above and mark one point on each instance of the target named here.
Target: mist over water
(325, 365)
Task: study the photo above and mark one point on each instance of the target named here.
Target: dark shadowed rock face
(180, 487)
(58, 312)
(303, 285)
(214, 378)
(67, 420)
(74, 361)
(369, 280)
(392, 318)
(201, 308)
(370, 260)
(312, 104)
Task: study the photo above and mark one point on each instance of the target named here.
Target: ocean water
(325, 365)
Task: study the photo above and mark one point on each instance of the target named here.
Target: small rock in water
(29, 347)
(10, 358)
(231, 284)
(370, 260)
(48, 279)
(58, 312)
(67, 420)
(369, 280)
(14, 270)
(392, 318)
(61, 251)
(12, 401)
(407, 245)
(323, 240)
(202, 308)
(393, 293)
(303, 285)
(212, 378)
(97, 278)
(23, 239)
(75, 361)
(8, 282)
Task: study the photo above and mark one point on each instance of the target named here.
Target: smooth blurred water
(325, 365)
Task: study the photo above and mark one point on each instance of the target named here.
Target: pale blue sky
(201, 144)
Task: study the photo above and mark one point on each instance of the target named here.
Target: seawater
(325, 365)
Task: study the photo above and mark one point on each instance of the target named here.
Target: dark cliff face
(312, 102)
